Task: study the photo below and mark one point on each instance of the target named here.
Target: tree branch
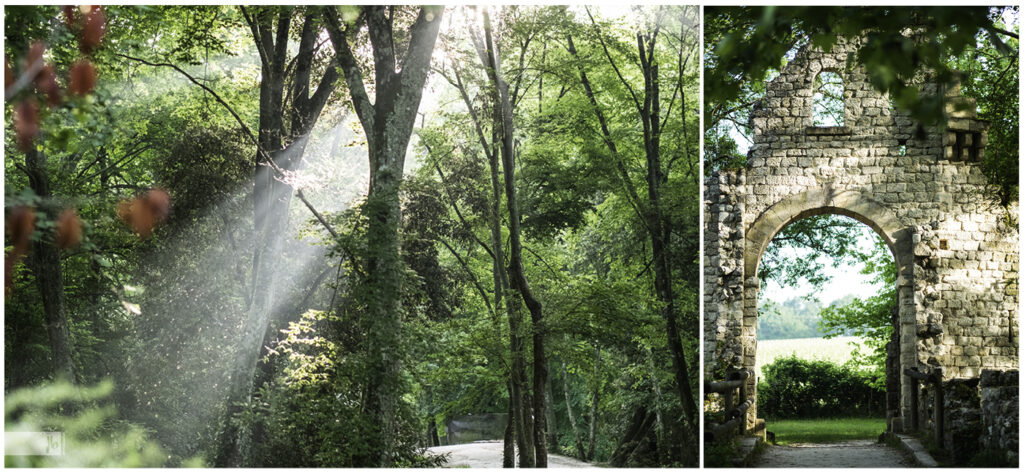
(319, 217)
(611, 61)
(256, 35)
(469, 272)
(383, 45)
(245, 129)
(353, 75)
(1004, 32)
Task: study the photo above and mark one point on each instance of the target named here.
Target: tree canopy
(496, 211)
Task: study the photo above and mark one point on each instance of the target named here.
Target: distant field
(836, 349)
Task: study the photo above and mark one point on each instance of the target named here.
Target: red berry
(21, 222)
(46, 83)
(26, 124)
(93, 29)
(35, 55)
(69, 229)
(83, 78)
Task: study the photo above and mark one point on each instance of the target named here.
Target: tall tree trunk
(594, 400)
(660, 431)
(516, 272)
(660, 228)
(383, 318)
(514, 430)
(552, 420)
(46, 265)
(388, 122)
(272, 197)
(432, 439)
(234, 443)
(572, 417)
(508, 449)
(517, 382)
(517, 375)
(266, 262)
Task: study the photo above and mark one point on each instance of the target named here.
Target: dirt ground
(847, 454)
(488, 455)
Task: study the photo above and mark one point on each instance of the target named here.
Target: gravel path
(488, 455)
(847, 454)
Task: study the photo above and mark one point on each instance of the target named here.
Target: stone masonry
(924, 194)
(1000, 412)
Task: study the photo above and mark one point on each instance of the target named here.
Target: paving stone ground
(846, 454)
(488, 455)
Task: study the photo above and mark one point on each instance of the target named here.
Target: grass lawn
(791, 431)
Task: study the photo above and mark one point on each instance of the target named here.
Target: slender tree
(505, 124)
(46, 265)
(285, 122)
(387, 121)
(521, 403)
(647, 105)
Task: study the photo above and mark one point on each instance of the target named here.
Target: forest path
(846, 454)
(488, 455)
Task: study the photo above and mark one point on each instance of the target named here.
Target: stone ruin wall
(982, 414)
(956, 247)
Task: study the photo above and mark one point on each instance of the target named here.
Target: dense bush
(310, 414)
(92, 433)
(793, 387)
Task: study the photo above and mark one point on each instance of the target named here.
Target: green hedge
(794, 387)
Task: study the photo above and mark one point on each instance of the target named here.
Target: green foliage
(586, 248)
(825, 240)
(990, 75)
(839, 350)
(721, 455)
(871, 318)
(162, 316)
(93, 437)
(720, 150)
(312, 412)
(797, 388)
(794, 318)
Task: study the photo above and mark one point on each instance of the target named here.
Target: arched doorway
(824, 364)
(853, 205)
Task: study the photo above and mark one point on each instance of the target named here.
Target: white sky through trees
(843, 279)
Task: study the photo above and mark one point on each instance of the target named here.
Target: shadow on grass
(795, 431)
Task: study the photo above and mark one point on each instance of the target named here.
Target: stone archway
(956, 249)
(826, 200)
